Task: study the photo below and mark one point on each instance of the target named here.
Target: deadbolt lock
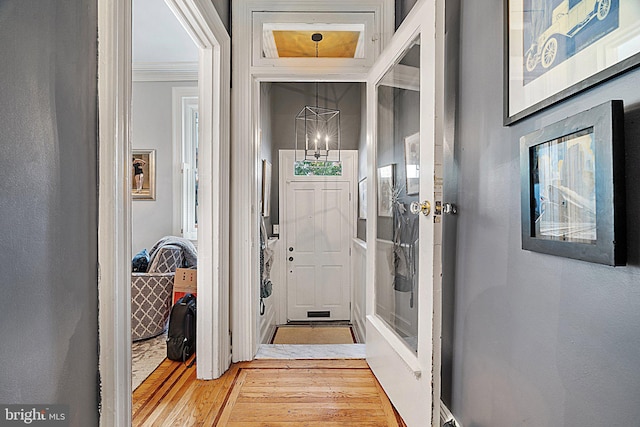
(445, 208)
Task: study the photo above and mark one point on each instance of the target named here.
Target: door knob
(290, 248)
(417, 207)
(290, 258)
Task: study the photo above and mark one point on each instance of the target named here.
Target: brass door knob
(424, 207)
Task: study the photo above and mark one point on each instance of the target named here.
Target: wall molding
(164, 71)
(359, 270)
(114, 211)
(200, 19)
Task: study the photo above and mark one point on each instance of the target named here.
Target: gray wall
(540, 340)
(450, 156)
(151, 128)
(48, 206)
(222, 7)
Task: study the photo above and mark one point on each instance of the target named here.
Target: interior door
(403, 282)
(317, 250)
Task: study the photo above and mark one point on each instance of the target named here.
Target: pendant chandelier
(317, 128)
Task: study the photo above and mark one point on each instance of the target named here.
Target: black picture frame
(602, 46)
(573, 189)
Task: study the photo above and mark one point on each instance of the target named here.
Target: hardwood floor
(265, 393)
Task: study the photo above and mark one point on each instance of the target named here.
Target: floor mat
(313, 335)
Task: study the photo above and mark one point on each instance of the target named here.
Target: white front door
(317, 224)
(404, 114)
(317, 250)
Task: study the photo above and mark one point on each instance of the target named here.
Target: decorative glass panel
(306, 168)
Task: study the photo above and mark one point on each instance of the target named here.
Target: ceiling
(158, 36)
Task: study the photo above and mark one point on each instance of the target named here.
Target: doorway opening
(312, 232)
(165, 67)
(114, 234)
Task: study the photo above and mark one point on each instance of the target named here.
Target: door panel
(403, 282)
(318, 239)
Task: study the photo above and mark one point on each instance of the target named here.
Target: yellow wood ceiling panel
(298, 44)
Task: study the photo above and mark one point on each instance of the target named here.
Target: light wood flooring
(265, 393)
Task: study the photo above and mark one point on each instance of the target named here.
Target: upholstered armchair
(151, 293)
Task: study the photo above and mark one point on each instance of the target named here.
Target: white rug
(146, 356)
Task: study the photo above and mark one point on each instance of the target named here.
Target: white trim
(164, 71)
(359, 270)
(243, 203)
(245, 103)
(399, 347)
(114, 210)
(202, 22)
(178, 95)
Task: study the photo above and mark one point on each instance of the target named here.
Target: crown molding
(164, 71)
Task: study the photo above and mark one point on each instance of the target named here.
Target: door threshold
(311, 351)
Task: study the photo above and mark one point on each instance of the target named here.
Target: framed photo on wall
(412, 163)
(385, 190)
(362, 199)
(143, 172)
(557, 48)
(572, 187)
(266, 188)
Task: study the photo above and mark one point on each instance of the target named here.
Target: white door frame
(349, 159)
(245, 143)
(114, 205)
